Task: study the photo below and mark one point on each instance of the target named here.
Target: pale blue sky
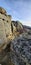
(19, 9)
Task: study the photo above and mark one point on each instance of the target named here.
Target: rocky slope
(21, 50)
(15, 41)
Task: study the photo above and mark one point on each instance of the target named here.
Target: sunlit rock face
(3, 39)
(5, 23)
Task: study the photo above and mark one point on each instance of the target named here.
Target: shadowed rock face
(17, 27)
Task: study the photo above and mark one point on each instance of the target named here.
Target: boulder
(17, 27)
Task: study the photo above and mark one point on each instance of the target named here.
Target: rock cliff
(5, 21)
(15, 41)
(8, 29)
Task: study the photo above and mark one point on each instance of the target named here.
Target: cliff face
(5, 22)
(15, 41)
(8, 29)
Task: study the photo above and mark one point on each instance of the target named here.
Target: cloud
(27, 23)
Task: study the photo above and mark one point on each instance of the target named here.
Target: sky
(18, 9)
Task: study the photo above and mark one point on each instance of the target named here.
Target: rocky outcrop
(15, 41)
(17, 28)
(10, 29)
(5, 22)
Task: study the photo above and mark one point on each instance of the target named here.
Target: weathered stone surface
(11, 28)
(5, 23)
(17, 28)
(15, 41)
(3, 39)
